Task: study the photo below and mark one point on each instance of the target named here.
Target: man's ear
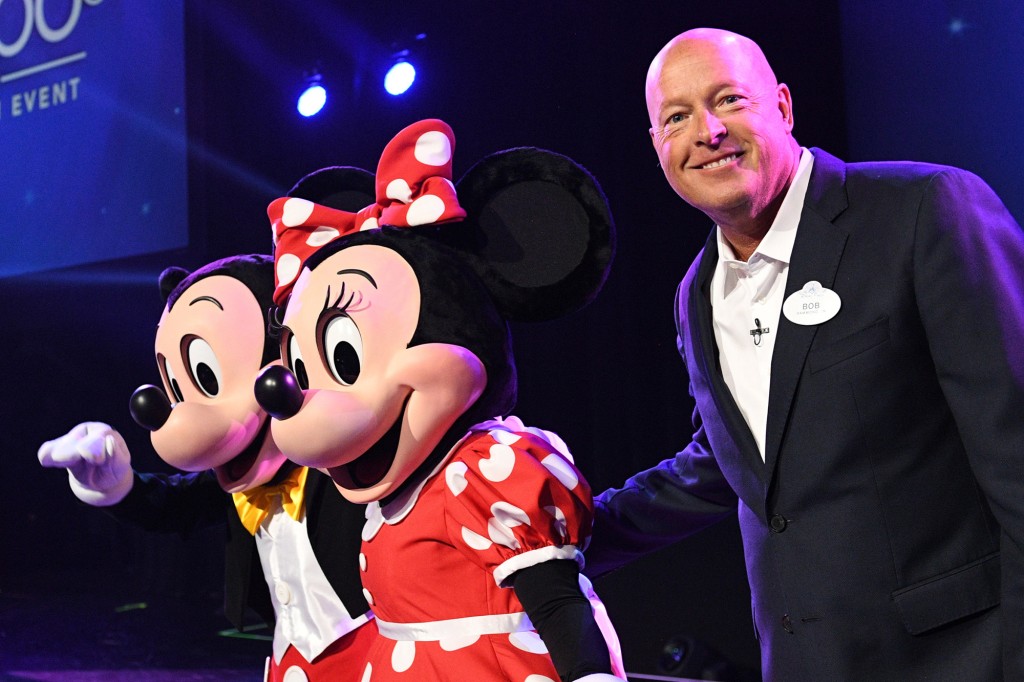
(785, 105)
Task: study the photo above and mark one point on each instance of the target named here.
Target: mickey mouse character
(210, 344)
(398, 353)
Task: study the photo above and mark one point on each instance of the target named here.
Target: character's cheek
(198, 436)
(445, 380)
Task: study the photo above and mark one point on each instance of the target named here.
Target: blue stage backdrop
(92, 131)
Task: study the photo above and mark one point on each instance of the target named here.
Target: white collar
(777, 243)
(400, 507)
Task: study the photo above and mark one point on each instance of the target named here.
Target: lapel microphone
(757, 331)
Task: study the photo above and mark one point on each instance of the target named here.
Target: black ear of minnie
(542, 231)
(169, 279)
(342, 187)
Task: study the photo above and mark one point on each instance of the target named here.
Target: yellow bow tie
(254, 505)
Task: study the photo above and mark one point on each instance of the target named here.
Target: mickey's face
(209, 348)
(373, 408)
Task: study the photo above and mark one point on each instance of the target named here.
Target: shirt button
(787, 624)
(778, 523)
(284, 595)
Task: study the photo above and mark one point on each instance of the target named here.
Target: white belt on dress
(436, 630)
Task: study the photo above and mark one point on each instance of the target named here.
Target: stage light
(313, 97)
(694, 659)
(400, 77)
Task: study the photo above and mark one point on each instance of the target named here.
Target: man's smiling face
(721, 126)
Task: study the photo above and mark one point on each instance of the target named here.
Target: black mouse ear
(342, 187)
(169, 279)
(542, 231)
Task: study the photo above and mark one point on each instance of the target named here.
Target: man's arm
(969, 285)
(659, 506)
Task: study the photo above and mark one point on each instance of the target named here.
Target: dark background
(928, 80)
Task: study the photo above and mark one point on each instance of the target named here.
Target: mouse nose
(149, 407)
(278, 392)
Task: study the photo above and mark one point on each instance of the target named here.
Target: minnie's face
(209, 349)
(374, 408)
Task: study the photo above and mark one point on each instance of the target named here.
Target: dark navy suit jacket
(884, 530)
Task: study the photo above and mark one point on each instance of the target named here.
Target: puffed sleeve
(514, 501)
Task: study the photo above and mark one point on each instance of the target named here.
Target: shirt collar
(777, 243)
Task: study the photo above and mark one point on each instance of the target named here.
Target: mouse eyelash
(275, 326)
(338, 305)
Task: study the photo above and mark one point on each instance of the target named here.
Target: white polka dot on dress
(433, 148)
(425, 209)
(287, 268)
(295, 674)
(509, 514)
(368, 596)
(528, 641)
(560, 525)
(538, 678)
(369, 224)
(499, 463)
(501, 535)
(367, 672)
(399, 190)
(403, 655)
(455, 477)
(504, 437)
(296, 211)
(475, 540)
(506, 517)
(562, 470)
(362, 562)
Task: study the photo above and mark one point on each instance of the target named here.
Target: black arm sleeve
(172, 503)
(551, 596)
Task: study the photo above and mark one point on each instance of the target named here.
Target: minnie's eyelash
(338, 305)
(275, 325)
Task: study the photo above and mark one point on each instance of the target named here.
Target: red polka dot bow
(413, 187)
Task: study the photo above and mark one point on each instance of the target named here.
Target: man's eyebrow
(211, 299)
(363, 273)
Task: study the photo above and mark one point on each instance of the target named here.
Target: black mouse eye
(203, 366)
(170, 380)
(293, 358)
(342, 349)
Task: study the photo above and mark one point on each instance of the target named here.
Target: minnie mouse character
(398, 359)
(293, 542)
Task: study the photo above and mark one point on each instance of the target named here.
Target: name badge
(811, 305)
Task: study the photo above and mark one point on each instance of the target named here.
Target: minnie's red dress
(436, 562)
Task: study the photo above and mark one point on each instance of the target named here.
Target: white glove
(98, 463)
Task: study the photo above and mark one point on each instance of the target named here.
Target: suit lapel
(817, 252)
(703, 339)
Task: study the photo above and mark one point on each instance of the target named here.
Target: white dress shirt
(309, 614)
(746, 300)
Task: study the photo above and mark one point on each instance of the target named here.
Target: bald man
(852, 334)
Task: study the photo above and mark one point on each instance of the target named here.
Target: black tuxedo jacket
(884, 530)
(182, 502)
